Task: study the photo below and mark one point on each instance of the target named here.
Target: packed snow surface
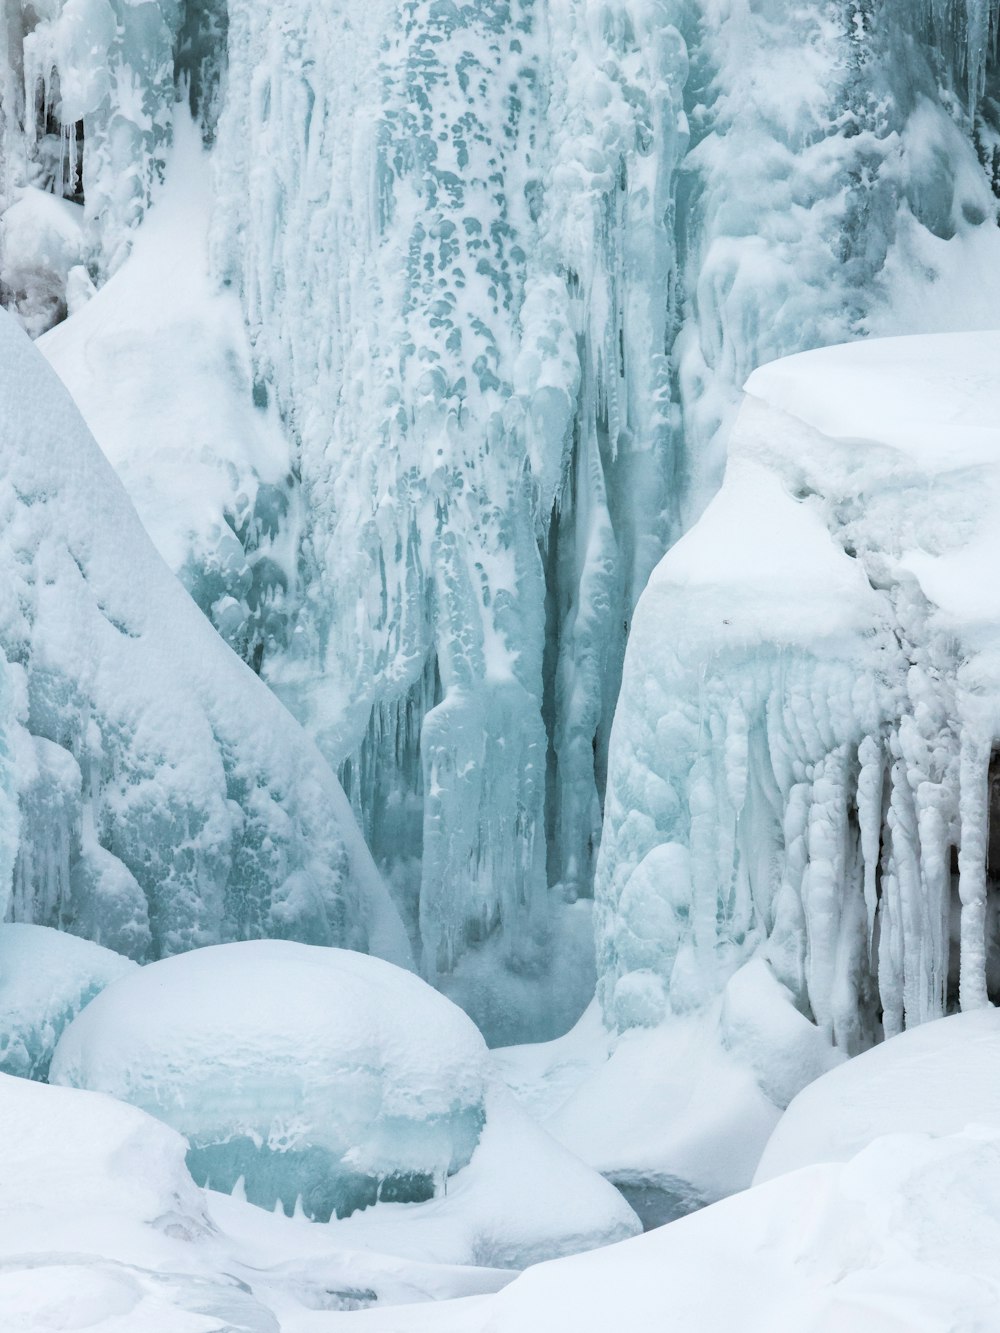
(46, 978)
(934, 1079)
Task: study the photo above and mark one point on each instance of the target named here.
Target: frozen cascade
(504, 269)
(804, 758)
(166, 799)
(486, 447)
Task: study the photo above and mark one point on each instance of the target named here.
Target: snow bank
(904, 1236)
(101, 1227)
(166, 799)
(46, 978)
(935, 1079)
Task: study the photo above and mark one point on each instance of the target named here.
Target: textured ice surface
(317, 1075)
(802, 758)
(935, 1079)
(46, 978)
(166, 798)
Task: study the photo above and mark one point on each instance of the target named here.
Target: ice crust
(165, 798)
(321, 1078)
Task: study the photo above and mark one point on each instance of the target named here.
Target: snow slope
(166, 798)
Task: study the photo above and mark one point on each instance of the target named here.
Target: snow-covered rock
(812, 700)
(312, 1074)
(327, 1081)
(166, 799)
(46, 978)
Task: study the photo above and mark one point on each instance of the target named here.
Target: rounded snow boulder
(46, 978)
(934, 1079)
(314, 1074)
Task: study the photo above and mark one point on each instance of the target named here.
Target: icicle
(974, 817)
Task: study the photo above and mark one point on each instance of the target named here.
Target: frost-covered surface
(320, 1077)
(934, 1079)
(465, 240)
(802, 754)
(46, 978)
(208, 471)
(166, 798)
(326, 1082)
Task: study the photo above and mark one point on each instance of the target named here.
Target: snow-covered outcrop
(802, 762)
(164, 798)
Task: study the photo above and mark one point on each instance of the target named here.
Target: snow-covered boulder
(934, 1079)
(46, 978)
(332, 1080)
(312, 1073)
(166, 798)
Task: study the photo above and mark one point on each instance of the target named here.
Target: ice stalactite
(802, 755)
(482, 266)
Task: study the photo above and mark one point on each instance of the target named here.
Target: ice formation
(803, 759)
(164, 798)
(503, 270)
(46, 978)
(325, 1082)
(317, 1076)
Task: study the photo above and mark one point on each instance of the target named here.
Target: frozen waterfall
(501, 270)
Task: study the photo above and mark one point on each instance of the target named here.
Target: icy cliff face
(461, 297)
(803, 759)
(165, 798)
(504, 269)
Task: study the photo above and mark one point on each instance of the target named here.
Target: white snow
(324, 1080)
(166, 798)
(46, 978)
(935, 1079)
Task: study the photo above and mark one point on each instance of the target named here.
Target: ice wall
(504, 268)
(166, 798)
(452, 229)
(803, 761)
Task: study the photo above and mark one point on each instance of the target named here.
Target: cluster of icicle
(453, 231)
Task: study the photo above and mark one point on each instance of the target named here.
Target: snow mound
(905, 1236)
(167, 800)
(311, 1073)
(935, 1079)
(46, 978)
